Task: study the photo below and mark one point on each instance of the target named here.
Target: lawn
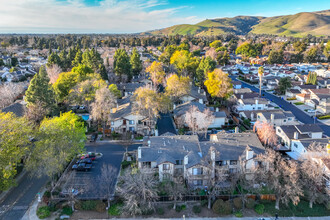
(298, 103)
(324, 117)
(301, 210)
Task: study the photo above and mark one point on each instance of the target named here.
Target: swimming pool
(85, 117)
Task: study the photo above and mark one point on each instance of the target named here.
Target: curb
(18, 179)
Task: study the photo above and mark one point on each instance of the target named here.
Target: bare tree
(281, 176)
(9, 92)
(266, 133)
(107, 181)
(197, 120)
(312, 173)
(212, 53)
(104, 102)
(36, 112)
(175, 189)
(139, 191)
(53, 73)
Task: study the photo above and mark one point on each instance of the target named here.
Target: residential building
(277, 117)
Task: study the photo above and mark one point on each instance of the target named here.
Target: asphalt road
(299, 114)
(165, 124)
(17, 202)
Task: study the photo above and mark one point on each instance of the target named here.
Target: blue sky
(129, 16)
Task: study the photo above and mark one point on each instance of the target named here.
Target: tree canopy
(218, 84)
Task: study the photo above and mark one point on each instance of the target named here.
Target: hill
(298, 25)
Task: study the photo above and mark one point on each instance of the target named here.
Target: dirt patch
(88, 215)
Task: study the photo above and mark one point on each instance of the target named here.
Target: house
(179, 112)
(249, 104)
(291, 93)
(325, 73)
(242, 90)
(277, 117)
(196, 95)
(301, 146)
(289, 134)
(129, 88)
(237, 84)
(184, 156)
(125, 119)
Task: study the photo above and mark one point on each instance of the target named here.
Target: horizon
(131, 17)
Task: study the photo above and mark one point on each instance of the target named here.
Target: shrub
(217, 206)
(197, 209)
(250, 203)
(47, 194)
(67, 210)
(183, 207)
(239, 214)
(298, 103)
(179, 208)
(147, 212)
(204, 202)
(238, 203)
(114, 210)
(260, 208)
(43, 212)
(324, 117)
(126, 164)
(88, 205)
(160, 211)
(226, 209)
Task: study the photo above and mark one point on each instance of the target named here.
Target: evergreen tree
(136, 62)
(78, 58)
(40, 90)
(312, 78)
(103, 72)
(121, 64)
(54, 59)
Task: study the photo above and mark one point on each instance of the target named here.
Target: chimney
(190, 83)
(295, 135)
(236, 130)
(139, 153)
(272, 117)
(252, 116)
(149, 143)
(185, 160)
(317, 87)
(199, 90)
(242, 96)
(302, 83)
(257, 101)
(217, 109)
(249, 153)
(204, 93)
(174, 106)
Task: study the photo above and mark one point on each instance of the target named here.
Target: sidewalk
(31, 213)
(234, 218)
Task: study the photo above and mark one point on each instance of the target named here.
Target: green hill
(298, 25)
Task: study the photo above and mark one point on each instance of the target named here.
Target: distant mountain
(301, 24)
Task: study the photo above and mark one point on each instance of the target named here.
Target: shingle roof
(17, 108)
(183, 108)
(306, 128)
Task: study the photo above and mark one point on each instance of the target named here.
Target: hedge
(43, 212)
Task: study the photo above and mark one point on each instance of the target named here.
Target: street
(300, 115)
(165, 124)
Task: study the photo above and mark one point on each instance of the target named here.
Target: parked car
(74, 107)
(93, 137)
(85, 160)
(311, 111)
(82, 167)
(82, 107)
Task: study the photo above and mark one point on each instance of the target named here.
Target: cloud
(73, 16)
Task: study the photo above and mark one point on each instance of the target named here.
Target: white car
(311, 111)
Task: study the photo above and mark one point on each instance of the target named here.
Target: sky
(132, 16)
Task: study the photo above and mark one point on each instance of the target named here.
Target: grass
(301, 210)
(324, 117)
(298, 103)
(114, 210)
(290, 99)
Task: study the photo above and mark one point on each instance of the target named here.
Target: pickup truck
(82, 167)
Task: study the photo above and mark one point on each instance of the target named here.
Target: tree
(215, 44)
(157, 73)
(40, 90)
(247, 50)
(275, 57)
(114, 90)
(107, 180)
(266, 133)
(14, 61)
(149, 103)
(205, 66)
(284, 84)
(136, 62)
(280, 176)
(299, 46)
(312, 78)
(53, 73)
(175, 189)
(165, 57)
(326, 51)
(15, 134)
(77, 59)
(122, 65)
(180, 59)
(223, 58)
(9, 92)
(104, 102)
(312, 55)
(82, 70)
(260, 74)
(177, 87)
(139, 191)
(36, 112)
(65, 82)
(103, 72)
(59, 139)
(197, 120)
(312, 174)
(54, 59)
(218, 84)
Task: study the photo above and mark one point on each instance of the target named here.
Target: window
(112, 129)
(112, 123)
(233, 162)
(232, 170)
(146, 164)
(278, 130)
(131, 122)
(166, 166)
(179, 171)
(198, 182)
(259, 108)
(289, 119)
(197, 171)
(296, 145)
(284, 120)
(131, 129)
(178, 162)
(258, 116)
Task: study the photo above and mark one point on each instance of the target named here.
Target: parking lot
(86, 182)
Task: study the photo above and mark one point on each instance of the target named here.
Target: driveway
(299, 114)
(112, 154)
(165, 124)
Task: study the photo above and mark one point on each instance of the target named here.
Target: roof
(306, 128)
(278, 114)
(246, 95)
(17, 108)
(220, 114)
(302, 129)
(185, 107)
(251, 101)
(129, 87)
(307, 142)
(197, 93)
